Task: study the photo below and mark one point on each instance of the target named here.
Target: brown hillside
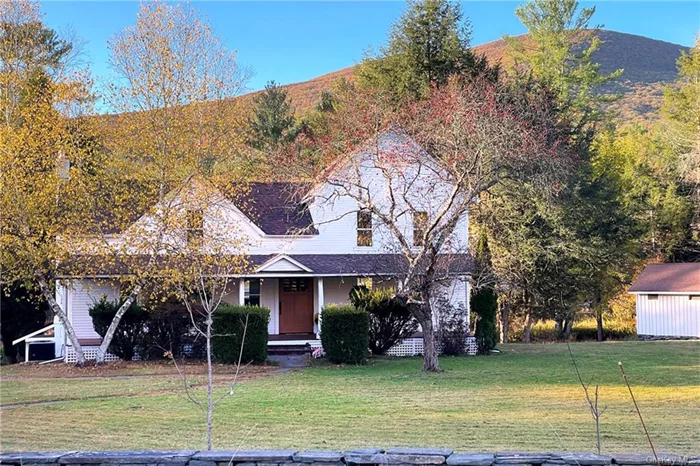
(647, 64)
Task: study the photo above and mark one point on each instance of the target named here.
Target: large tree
(681, 118)
(558, 50)
(427, 45)
(475, 134)
(272, 122)
(44, 159)
(176, 125)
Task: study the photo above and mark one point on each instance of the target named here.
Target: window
(195, 226)
(364, 228)
(295, 284)
(694, 297)
(653, 297)
(420, 222)
(251, 294)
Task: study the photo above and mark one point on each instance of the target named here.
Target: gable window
(364, 228)
(420, 222)
(195, 226)
(251, 294)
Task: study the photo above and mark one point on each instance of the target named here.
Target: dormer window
(364, 228)
(420, 222)
(195, 226)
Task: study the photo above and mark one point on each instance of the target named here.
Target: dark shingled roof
(320, 264)
(668, 278)
(276, 208)
(367, 264)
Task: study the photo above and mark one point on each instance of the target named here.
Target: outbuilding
(668, 301)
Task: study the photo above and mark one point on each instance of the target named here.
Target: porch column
(321, 300)
(241, 291)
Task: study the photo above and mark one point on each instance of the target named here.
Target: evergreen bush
(345, 334)
(390, 321)
(129, 334)
(230, 324)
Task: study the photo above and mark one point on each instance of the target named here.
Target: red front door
(296, 305)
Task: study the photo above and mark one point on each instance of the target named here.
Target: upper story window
(364, 228)
(195, 226)
(420, 222)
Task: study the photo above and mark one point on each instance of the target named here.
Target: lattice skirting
(414, 347)
(90, 353)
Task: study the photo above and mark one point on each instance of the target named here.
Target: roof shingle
(668, 278)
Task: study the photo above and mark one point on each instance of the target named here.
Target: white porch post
(321, 300)
(241, 291)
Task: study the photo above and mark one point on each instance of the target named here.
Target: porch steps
(280, 349)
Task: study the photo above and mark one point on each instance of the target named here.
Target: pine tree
(558, 51)
(428, 44)
(484, 301)
(273, 119)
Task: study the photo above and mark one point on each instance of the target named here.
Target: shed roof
(668, 278)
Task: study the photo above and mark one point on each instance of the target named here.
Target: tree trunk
(430, 357)
(599, 325)
(62, 317)
(505, 321)
(109, 335)
(210, 384)
(528, 328)
(568, 324)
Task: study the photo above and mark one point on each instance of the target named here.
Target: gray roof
(276, 208)
(367, 264)
(668, 278)
(319, 264)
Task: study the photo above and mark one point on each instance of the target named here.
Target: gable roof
(277, 208)
(668, 278)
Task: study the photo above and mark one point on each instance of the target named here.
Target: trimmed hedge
(129, 334)
(229, 326)
(345, 334)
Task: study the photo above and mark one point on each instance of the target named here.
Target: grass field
(524, 399)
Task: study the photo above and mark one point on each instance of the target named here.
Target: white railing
(31, 338)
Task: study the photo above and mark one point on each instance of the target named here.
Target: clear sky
(296, 41)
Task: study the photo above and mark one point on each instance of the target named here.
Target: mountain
(648, 65)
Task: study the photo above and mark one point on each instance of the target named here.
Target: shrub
(484, 303)
(345, 334)
(390, 321)
(170, 328)
(452, 327)
(23, 312)
(230, 323)
(129, 333)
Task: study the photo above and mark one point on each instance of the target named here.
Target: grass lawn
(524, 399)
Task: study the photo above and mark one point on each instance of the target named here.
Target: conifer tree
(427, 45)
(484, 301)
(273, 119)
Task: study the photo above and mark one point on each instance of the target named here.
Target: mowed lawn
(527, 398)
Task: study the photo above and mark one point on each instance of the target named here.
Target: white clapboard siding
(269, 298)
(668, 315)
(336, 290)
(82, 295)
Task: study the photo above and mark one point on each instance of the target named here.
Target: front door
(296, 305)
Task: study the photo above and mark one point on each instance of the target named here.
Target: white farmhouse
(668, 301)
(309, 245)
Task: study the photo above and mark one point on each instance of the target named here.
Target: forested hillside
(648, 64)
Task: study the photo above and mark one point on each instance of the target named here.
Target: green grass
(525, 399)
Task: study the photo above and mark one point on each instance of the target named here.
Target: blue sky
(296, 41)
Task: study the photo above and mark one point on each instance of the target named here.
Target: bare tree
(415, 173)
(592, 401)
